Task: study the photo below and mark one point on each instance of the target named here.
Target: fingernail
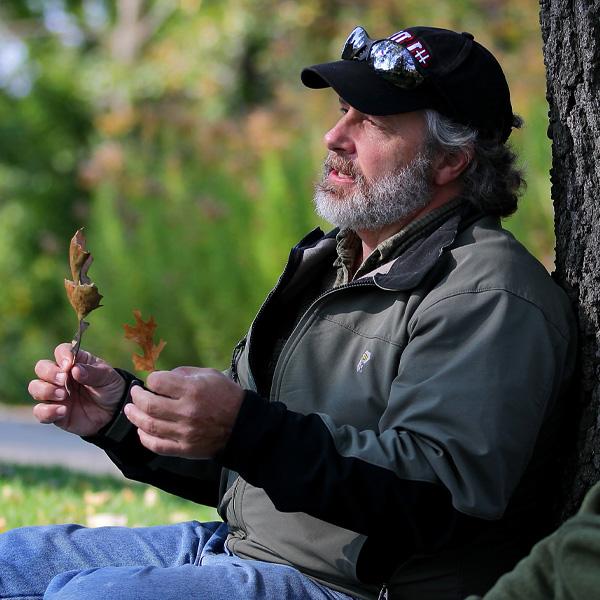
(65, 364)
(61, 378)
(60, 394)
(61, 411)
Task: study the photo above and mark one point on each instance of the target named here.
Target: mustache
(334, 162)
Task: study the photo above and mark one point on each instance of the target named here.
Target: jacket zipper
(293, 260)
(292, 263)
(281, 360)
(383, 593)
(236, 497)
(235, 356)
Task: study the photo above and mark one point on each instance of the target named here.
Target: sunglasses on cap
(386, 57)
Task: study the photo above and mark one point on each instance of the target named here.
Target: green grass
(43, 496)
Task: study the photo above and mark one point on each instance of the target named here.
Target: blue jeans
(174, 562)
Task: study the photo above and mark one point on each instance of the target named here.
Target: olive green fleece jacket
(563, 566)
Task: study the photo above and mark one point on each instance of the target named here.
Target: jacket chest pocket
(331, 366)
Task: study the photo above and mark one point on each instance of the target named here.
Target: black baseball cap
(452, 73)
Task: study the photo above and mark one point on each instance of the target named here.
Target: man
(387, 424)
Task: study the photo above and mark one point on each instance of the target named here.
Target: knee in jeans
(76, 585)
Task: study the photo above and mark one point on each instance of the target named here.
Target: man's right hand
(94, 390)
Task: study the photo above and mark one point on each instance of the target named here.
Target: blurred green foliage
(178, 134)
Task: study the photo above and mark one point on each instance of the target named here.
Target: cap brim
(362, 88)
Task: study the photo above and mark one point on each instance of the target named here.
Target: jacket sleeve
(475, 382)
(196, 480)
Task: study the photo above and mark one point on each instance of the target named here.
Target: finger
(49, 413)
(48, 370)
(153, 405)
(63, 353)
(46, 392)
(159, 445)
(167, 383)
(167, 430)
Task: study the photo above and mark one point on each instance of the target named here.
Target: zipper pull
(383, 593)
(239, 348)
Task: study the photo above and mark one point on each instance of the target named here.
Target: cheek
(389, 158)
(371, 159)
(377, 163)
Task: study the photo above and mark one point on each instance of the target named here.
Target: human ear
(448, 166)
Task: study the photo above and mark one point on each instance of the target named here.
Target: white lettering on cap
(419, 52)
(402, 36)
(417, 49)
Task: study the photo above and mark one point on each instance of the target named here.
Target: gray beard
(377, 204)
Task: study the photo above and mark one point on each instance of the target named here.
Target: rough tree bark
(571, 35)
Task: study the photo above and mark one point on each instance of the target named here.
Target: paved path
(25, 441)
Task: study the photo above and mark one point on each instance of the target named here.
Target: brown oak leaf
(81, 291)
(142, 333)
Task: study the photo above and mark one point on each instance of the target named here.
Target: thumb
(99, 375)
(63, 354)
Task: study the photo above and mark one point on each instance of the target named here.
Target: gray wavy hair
(492, 181)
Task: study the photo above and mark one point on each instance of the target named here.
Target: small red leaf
(142, 333)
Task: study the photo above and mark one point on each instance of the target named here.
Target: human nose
(339, 139)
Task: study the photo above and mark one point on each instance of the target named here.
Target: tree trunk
(571, 35)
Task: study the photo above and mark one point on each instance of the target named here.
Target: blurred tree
(177, 132)
(45, 126)
(571, 33)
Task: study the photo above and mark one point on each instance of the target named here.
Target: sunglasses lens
(356, 43)
(395, 63)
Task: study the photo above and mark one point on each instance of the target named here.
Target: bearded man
(386, 427)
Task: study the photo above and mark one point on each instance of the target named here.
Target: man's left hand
(187, 412)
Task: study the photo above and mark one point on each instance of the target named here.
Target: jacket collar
(418, 258)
